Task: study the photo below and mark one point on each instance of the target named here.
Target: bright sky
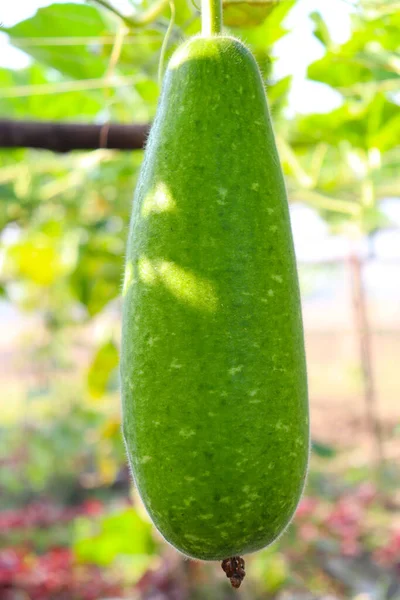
(299, 48)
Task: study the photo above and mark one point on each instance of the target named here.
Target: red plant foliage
(45, 514)
(52, 576)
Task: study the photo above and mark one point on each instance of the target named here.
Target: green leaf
(239, 13)
(323, 450)
(43, 257)
(271, 30)
(321, 30)
(97, 278)
(101, 369)
(270, 569)
(82, 61)
(387, 136)
(361, 124)
(184, 11)
(369, 56)
(78, 42)
(277, 94)
(149, 91)
(124, 533)
(25, 103)
(338, 70)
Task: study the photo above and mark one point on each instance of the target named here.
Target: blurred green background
(71, 526)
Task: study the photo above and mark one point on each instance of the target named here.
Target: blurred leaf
(239, 13)
(58, 21)
(323, 450)
(123, 533)
(387, 134)
(262, 37)
(370, 55)
(361, 124)
(63, 106)
(96, 281)
(104, 362)
(321, 30)
(148, 90)
(184, 11)
(279, 89)
(269, 567)
(43, 257)
(107, 467)
(111, 428)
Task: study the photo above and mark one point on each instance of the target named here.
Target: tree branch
(111, 8)
(137, 20)
(65, 137)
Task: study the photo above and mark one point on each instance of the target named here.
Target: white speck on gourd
(187, 433)
(277, 278)
(235, 370)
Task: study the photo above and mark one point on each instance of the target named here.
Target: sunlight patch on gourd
(187, 433)
(280, 425)
(188, 287)
(254, 496)
(158, 201)
(235, 370)
(175, 365)
(223, 192)
(181, 283)
(193, 538)
(226, 500)
(128, 278)
(147, 271)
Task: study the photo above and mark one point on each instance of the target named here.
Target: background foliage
(71, 525)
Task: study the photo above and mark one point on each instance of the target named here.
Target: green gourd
(213, 375)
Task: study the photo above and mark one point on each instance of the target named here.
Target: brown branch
(64, 137)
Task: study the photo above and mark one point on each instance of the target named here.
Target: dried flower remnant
(234, 569)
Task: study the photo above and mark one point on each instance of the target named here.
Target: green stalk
(161, 64)
(211, 17)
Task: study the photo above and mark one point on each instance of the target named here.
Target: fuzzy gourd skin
(213, 375)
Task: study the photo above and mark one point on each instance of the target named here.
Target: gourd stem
(211, 17)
